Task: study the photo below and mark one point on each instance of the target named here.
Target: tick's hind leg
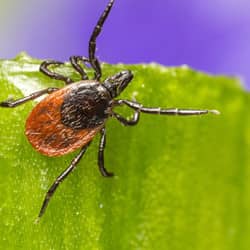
(14, 103)
(75, 63)
(102, 144)
(60, 179)
(44, 69)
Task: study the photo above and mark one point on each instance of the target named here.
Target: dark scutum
(85, 107)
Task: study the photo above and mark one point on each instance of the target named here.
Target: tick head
(118, 82)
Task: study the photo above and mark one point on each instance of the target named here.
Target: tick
(68, 118)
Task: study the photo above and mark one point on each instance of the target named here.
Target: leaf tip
(214, 111)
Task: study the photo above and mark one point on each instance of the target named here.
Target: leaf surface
(181, 182)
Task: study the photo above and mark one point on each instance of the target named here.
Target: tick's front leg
(164, 111)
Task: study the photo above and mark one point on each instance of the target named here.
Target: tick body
(67, 119)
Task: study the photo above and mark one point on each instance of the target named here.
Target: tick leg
(60, 179)
(75, 63)
(161, 111)
(128, 122)
(14, 103)
(92, 42)
(44, 69)
(102, 144)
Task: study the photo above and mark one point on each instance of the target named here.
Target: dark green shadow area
(181, 182)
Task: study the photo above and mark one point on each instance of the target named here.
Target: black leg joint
(102, 145)
(128, 122)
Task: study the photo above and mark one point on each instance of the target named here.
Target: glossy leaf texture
(181, 182)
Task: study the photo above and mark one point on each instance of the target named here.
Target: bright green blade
(181, 182)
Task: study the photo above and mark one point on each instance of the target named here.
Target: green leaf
(181, 182)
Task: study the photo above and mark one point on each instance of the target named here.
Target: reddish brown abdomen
(48, 135)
